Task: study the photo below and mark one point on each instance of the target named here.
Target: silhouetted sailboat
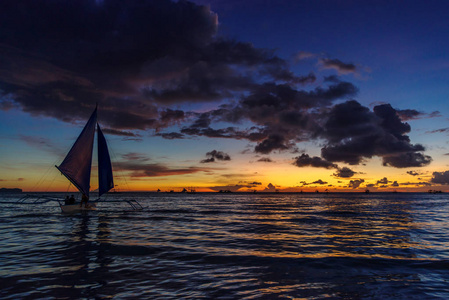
(76, 166)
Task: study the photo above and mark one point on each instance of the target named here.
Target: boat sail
(77, 164)
(76, 167)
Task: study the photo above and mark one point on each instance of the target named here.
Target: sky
(216, 95)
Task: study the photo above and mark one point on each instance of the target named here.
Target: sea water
(229, 246)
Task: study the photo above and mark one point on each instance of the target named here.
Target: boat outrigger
(76, 167)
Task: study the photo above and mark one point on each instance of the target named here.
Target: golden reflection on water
(222, 246)
(359, 230)
(320, 228)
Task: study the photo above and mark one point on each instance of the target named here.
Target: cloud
(171, 135)
(41, 143)
(139, 169)
(265, 159)
(416, 183)
(302, 55)
(354, 133)
(440, 177)
(135, 58)
(413, 173)
(412, 114)
(255, 183)
(355, 183)
(441, 130)
(136, 164)
(133, 156)
(319, 181)
(120, 132)
(406, 160)
(232, 188)
(216, 155)
(382, 181)
(271, 143)
(304, 160)
(132, 57)
(344, 172)
(279, 112)
(351, 132)
(146, 62)
(338, 65)
(270, 188)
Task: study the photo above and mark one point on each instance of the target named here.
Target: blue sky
(267, 83)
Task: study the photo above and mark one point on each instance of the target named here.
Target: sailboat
(77, 164)
(76, 167)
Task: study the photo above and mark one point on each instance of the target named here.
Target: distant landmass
(5, 190)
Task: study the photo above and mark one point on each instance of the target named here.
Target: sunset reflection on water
(233, 246)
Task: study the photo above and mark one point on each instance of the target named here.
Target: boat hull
(72, 208)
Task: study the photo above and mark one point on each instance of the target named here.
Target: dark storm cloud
(440, 177)
(338, 65)
(406, 160)
(59, 57)
(344, 172)
(272, 143)
(280, 113)
(284, 116)
(354, 133)
(214, 155)
(304, 160)
(132, 57)
(141, 60)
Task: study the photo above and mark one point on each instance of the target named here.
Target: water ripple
(216, 246)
